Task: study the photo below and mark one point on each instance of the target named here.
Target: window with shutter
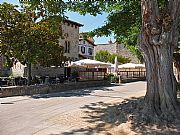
(90, 51)
(82, 49)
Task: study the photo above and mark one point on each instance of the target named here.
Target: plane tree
(28, 40)
(121, 59)
(155, 23)
(105, 56)
(102, 55)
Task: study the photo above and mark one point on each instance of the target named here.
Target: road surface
(62, 113)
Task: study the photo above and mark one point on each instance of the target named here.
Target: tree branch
(150, 20)
(174, 7)
(174, 10)
(150, 11)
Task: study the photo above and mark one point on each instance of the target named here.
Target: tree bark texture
(157, 41)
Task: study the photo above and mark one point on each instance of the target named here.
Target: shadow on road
(105, 116)
(73, 93)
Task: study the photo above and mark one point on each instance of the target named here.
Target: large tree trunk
(158, 38)
(161, 95)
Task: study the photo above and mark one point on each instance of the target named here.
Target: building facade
(86, 47)
(117, 49)
(70, 39)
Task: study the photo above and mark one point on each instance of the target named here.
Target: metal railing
(132, 74)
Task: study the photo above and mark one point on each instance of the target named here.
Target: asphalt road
(62, 113)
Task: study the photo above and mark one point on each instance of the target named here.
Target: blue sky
(89, 22)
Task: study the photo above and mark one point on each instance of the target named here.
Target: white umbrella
(88, 63)
(127, 65)
(140, 65)
(131, 65)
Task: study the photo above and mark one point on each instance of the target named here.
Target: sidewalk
(63, 113)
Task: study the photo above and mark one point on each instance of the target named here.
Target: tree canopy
(28, 40)
(102, 55)
(105, 56)
(123, 21)
(29, 37)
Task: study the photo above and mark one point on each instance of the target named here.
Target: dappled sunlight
(118, 119)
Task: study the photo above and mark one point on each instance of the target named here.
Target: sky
(89, 22)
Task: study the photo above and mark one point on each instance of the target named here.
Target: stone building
(70, 39)
(86, 47)
(70, 42)
(116, 48)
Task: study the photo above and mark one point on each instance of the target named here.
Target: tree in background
(120, 59)
(28, 40)
(105, 56)
(102, 55)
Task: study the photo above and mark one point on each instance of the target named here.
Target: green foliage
(46, 8)
(105, 56)
(112, 78)
(28, 40)
(120, 58)
(93, 7)
(124, 18)
(29, 37)
(102, 55)
(123, 21)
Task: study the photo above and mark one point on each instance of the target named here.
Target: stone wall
(47, 71)
(44, 89)
(20, 70)
(111, 48)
